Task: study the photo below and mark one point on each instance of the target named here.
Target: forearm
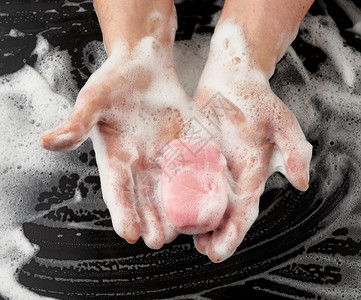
(128, 21)
(269, 27)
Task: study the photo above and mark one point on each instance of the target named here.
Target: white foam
(59, 76)
(147, 100)
(330, 41)
(28, 107)
(16, 33)
(51, 11)
(352, 11)
(71, 3)
(142, 114)
(31, 102)
(230, 72)
(357, 28)
(15, 251)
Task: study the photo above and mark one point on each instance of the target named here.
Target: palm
(131, 118)
(252, 128)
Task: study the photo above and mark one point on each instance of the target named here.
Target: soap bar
(194, 186)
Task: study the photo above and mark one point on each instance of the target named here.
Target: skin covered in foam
(194, 186)
(128, 123)
(134, 133)
(250, 153)
(333, 94)
(131, 107)
(256, 132)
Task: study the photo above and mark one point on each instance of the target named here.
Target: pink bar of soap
(194, 186)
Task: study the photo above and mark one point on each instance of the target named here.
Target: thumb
(74, 130)
(296, 154)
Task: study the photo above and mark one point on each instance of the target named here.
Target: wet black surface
(78, 263)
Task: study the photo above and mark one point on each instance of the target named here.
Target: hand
(131, 107)
(252, 128)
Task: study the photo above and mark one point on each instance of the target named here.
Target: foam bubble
(16, 33)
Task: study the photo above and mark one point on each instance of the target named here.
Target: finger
(146, 192)
(125, 220)
(239, 219)
(296, 151)
(201, 242)
(117, 185)
(242, 210)
(170, 233)
(75, 129)
(151, 228)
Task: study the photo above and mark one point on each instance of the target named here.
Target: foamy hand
(253, 128)
(131, 107)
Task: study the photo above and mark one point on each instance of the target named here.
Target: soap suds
(35, 99)
(330, 41)
(16, 33)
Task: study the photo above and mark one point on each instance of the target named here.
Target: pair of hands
(134, 105)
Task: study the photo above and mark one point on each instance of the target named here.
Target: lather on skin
(137, 87)
(249, 39)
(137, 33)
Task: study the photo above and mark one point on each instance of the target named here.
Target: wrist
(262, 51)
(231, 58)
(128, 22)
(269, 27)
(155, 27)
